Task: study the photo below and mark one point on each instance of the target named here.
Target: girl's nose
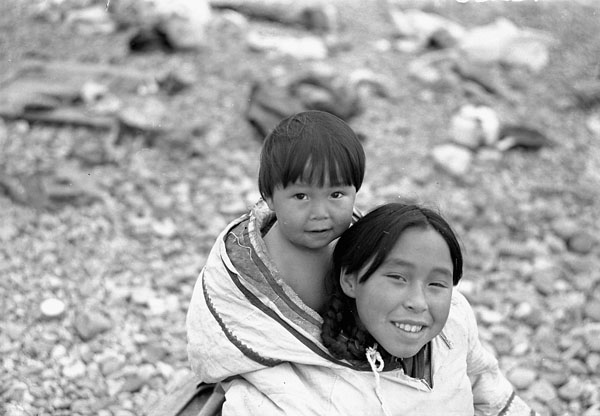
(415, 299)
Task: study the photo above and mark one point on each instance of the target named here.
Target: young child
(256, 301)
(394, 310)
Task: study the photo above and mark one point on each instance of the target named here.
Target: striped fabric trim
(269, 312)
(275, 286)
(516, 406)
(505, 410)
(247, 351)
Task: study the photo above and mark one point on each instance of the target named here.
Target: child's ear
(348, 282)
(269, 201)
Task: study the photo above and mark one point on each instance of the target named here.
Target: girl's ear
(348, 282)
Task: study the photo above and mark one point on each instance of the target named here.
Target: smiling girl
(394, 309)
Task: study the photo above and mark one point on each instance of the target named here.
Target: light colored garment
(244, 320)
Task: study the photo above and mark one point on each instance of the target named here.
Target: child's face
(311, 216)
(405, 303)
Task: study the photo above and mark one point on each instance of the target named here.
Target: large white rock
(503, 42)
(475, 126)
(453, 158)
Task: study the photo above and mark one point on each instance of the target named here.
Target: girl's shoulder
(461, 320)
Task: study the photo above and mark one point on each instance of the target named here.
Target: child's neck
(303, 269)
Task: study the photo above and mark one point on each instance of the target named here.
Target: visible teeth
(408, 328)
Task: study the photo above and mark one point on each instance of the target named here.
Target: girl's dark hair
(368, 243)
(311, 146)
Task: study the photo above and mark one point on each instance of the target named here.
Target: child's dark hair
(311, 146)
(368, 243)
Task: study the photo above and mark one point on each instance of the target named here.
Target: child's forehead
(312, 183)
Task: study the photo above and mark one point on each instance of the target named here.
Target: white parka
(246, 326)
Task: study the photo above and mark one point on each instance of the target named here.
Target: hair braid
(340, 334)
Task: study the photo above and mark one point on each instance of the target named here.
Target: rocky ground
(96, 281)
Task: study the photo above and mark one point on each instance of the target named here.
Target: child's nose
(319, 210)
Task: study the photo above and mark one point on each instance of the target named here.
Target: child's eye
(439, 284)
(300, 197)
(337, 195)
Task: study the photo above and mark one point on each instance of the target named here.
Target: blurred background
(129, 137)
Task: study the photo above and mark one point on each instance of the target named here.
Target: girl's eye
(396, 276)
(439, 284)
(300, 197)
(337, 195)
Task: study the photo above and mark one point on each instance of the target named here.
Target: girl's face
(405, 303)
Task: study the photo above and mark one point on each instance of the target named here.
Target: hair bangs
(318, 162)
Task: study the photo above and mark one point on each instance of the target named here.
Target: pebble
(571, 391)
(8, 232)
(594, 410)
(582, 242)
(556, 378)
(455, 159)
(13, 409)
(58, 351)
(488, 316)
(52, 308)
(543, 391)
(142, 295)
(110, 364)
(592, 310)
(165, 228)
(545, 280)
(592, 336)
(593, 363)
(522, 378)
(74, 370)
(133, 382)
(565, 228)
(88, 324)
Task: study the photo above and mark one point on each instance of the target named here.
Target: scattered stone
(8, 231)
(154, 352)
(572, 390)
(93, 20)
(14, 409)
(545, 280)
(592, 310)
(593, 363)
(488, 316)
(543, 391)
(522, 378)
(111, 363)
(422, 29)
(165, 228)
(88, 324)
(142, 295)
(133, 382)
(594, 410)
(591, 333)
(301, 48)
(565, 228)
(454, 159)
(74, 370)
(503, 42)
(593, 124)
(52, 308)
(475, 126)
(581, 242)
(521, 137)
